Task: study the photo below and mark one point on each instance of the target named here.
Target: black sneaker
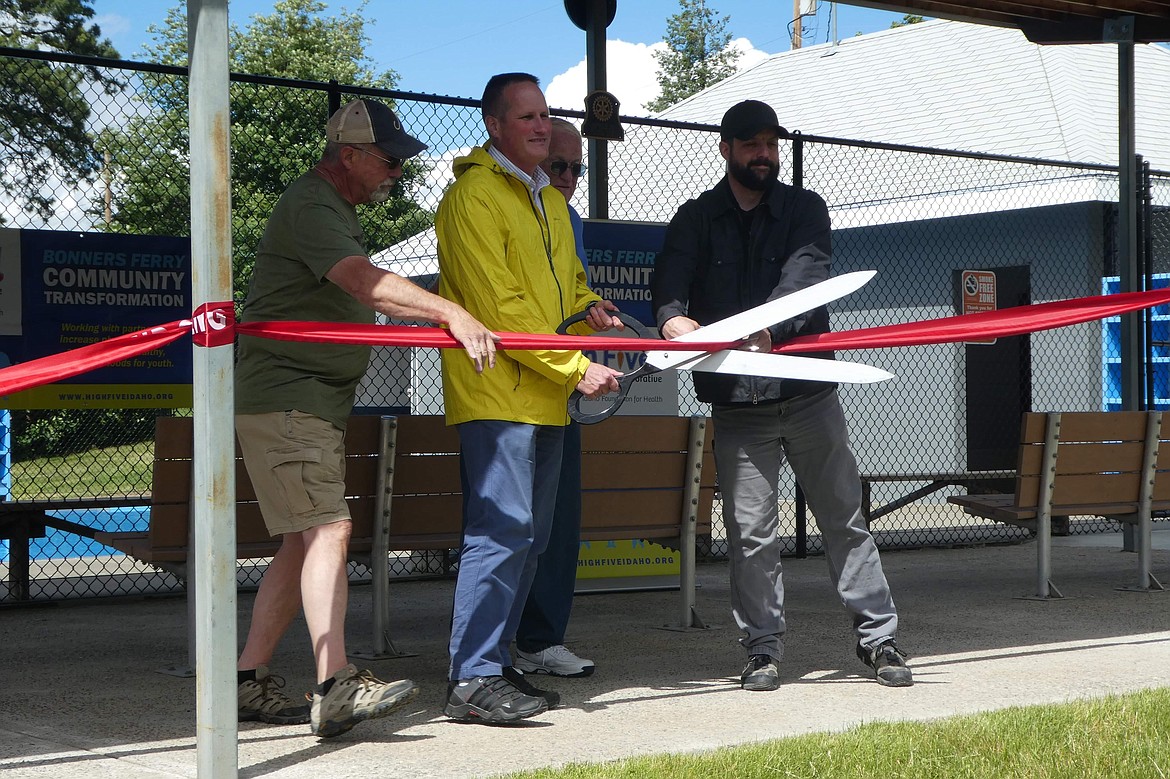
(520, 682)
(762, 673)
(492, 700)
(888, 663)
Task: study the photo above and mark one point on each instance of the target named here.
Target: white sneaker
(556, 661)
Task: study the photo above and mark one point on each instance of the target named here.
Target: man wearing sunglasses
(293, 400)
(540, 638)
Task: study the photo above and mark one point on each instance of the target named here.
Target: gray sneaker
(356, 696)
(762, 673)
(888, 663)
(555, 660)
(262, 700)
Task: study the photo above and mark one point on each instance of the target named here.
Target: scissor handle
(575, 411)
(629, 322)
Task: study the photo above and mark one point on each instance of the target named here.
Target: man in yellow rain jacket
(507, 255)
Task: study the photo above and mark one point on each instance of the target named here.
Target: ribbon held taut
(1001, 323)
(220, 329)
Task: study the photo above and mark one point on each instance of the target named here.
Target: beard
(383, 192)
(754, 180)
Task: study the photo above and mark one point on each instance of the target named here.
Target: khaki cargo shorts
(296, 462)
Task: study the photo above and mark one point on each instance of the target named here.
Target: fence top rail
(392, 94)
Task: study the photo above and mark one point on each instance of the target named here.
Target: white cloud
(632, 79)
(438, 177)
(633, 75)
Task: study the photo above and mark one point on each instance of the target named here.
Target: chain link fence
(919, 216)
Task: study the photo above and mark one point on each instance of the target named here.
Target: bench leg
(18, 564)
(1143, 532)
(688, 615)
(382, 647)
(1044, 587)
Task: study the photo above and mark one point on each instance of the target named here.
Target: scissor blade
(789, 367)
(763, 316)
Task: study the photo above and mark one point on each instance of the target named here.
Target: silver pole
(214, 487)
(595, 77)
(1121, 31)
(688, 616)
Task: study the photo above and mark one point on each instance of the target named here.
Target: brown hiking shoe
(262, 700)
(356, 696)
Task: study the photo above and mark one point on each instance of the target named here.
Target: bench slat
(663, 434)
(1088, 426)
(1085, 458)
(425, 434)
(422, 475)
(1081, 488)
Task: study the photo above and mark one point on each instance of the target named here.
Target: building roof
(952, 85)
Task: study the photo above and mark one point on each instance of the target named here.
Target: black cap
(368, 121)
(743, 120)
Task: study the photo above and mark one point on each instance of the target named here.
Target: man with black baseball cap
(370, 122)
(293, 400)
(743, 120)
(749, 240)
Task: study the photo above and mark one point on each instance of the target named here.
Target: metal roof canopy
(1122, 22)
(1048, 21)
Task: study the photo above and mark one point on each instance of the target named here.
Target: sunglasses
(393, 162)
(560, 166)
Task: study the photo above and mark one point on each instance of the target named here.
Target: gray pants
(751, 444)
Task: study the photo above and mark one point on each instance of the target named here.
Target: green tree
(277, 132)
(697, 54)
(907, 20)
(44, 134)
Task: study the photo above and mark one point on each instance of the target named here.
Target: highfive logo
(214, 324)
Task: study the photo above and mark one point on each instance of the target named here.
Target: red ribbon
(1001, 323)
(56, 367)
(437, 338)
(213, 325)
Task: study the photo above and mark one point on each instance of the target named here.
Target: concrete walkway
(81, 699)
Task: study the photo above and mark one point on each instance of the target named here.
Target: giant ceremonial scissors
(738, 361)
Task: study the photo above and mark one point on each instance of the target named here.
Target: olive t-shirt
(310, 230)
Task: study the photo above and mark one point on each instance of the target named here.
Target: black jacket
(705, 273)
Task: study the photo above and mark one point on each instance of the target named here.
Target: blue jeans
(510, 472)
(546, 613)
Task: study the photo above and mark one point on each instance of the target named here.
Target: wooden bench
(643, 477)
(1101, 464)
(166, 544)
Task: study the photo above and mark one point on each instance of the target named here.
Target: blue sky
(450, 47)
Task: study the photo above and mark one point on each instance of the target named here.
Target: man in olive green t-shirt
(292, 401)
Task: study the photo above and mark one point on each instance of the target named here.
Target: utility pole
(796, 15)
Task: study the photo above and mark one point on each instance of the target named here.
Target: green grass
(1120, 737)
(115, 470)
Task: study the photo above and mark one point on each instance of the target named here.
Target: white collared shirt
(533, 184)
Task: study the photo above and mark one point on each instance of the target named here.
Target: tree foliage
(45, 132)
(697, 54)
(277, 132)
(907, 20)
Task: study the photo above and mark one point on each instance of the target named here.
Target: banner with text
(621, 261)
(62, 290)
